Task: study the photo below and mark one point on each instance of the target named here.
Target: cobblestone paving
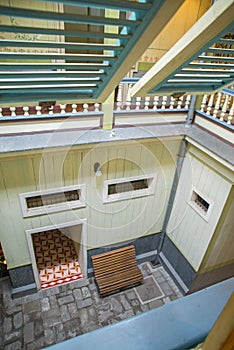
(56, 314)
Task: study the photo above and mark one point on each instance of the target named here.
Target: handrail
(217, 107)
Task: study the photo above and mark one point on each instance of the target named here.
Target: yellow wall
(107, 223)
(182, 21)
(221, 248)
(187, 229)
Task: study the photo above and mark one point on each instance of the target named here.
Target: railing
(124, 101)
(219, 106)
(49, 110)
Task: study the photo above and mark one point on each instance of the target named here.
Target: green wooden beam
(53, 90)
(53, 56)
(38, 66)
(222, 51)
(121, 5)
(52, 74)
(74, 33)
(215, 58)
(66, 45)
(66, 17)
(60, 95)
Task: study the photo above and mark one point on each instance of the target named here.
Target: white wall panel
(107, 223)
(190, 232)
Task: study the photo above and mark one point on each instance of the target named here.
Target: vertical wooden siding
(107, 223)
(187, 229)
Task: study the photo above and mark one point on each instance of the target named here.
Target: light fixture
(97, 169)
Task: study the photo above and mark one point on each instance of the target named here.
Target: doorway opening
(3, 264)
(58, 254)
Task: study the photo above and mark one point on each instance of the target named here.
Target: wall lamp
(97, 169)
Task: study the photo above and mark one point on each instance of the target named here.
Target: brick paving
(53, 315)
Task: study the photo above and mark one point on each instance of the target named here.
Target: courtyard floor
(53, 315)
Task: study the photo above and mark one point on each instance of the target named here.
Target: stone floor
(59, 313)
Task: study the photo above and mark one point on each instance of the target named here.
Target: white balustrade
(96, 107)
(187, 101)
(138, 103)
(210, 104)
(85, 107)
(155, 103)
(217, 104)
(172, 102)
(180, 102)
(164, 102)
(74, 106)
(119, 97)
(224, 108)
(38, 110)
(128, 98)
(231, 113)
(62, 109)
(203, 103)
(51, 110)
(147, 102)
(26, 109)
(13, 109)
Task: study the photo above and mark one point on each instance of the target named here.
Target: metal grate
(128, 186)
(200, 202)
(52, 199)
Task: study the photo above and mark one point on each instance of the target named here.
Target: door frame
(68, 224)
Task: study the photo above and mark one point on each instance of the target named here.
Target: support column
(191, 111)
(107, 108)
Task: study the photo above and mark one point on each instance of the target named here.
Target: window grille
(127, 186)
(52, 200)
(201, 204)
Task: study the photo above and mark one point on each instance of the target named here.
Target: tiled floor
(56, 258)
(55, 314)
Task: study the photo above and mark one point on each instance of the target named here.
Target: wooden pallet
(116, 270)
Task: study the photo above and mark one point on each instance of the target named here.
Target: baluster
(38, 109)
(51, 110)
(203, 103)
(96, 107)
(231, 113)
(224, 108)
(147, 102)
(210, 104)
(187, 101)
(1, 112)
(26, 109)
(217, 104)
(62, 109)
(164, 102)
(119, 97)
(74, 106)
(138, 103)
(128, 98)
(172, 102)
(223, 96)
(12, 109)
(179, 103)
(155, 103)
(85, 106)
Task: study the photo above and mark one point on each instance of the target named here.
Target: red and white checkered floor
(56, 258)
